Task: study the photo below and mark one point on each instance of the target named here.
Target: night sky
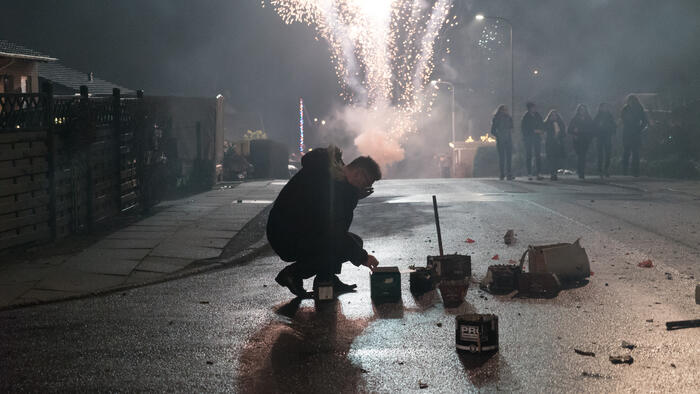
(603, 48)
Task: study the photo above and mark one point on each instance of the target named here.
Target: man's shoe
(341, 287)
(295, 284)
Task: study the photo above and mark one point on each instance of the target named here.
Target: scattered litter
(264, 285)
(673, 365)
(412, 267)
(210, 362)
(204, 302)
(511, 261)
(628, 345)
(584, 353)
(422, 385)
(170, 323)
(646, 264)
(650, 320)
(439, 324)
(509, 238)
(592, 375)
(606, 284)
(495, 257)
(677, 325)
(400, 362)
(469, 241)
(626, 359)
(363, 370)
(568, 261)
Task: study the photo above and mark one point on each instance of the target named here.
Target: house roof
(73, 79)
(9, 49)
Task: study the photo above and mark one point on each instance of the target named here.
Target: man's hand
(371, 262)
(365, 192)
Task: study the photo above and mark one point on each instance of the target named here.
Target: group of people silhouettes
(583, 129)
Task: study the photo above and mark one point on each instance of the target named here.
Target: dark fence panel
(67, 164)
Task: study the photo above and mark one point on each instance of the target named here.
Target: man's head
(530, 106)
(363, 172)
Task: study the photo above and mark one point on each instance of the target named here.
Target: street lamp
(452, 87)
(481, 17)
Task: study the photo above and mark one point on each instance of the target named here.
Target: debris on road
(422, 385)
(204, 302)
(500, 279)
(439, 324)
(469, 241)
(584, 353)
(495, 257)
(210, 362)
(646, 264)
(650, 320)
(677, 325)
(538, 284)
(476, 333)
(626, 359)
(511, 261)
(628, 345)
(593, 375)
(509, 238)
(668, 275)
(568, 261)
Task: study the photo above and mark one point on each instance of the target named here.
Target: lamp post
(452, 145)
(452, 87)
(481, 17)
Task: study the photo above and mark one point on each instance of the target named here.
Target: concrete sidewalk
(180, 233)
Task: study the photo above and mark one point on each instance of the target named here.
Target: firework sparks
(382, 52)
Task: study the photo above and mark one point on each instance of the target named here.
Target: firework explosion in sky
(382, 52)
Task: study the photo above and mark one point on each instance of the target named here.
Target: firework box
(422, 280)
(501, 278)
(568, 261)
(451, 266)
(476, 333)
(323, 291)
(453, 291)
(538, 284)
(385, 284)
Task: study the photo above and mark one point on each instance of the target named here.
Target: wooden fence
(70, 163)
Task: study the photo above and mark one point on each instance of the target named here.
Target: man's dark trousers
(320, 258)
(533, 144)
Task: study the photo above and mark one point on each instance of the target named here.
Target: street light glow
(479, 17)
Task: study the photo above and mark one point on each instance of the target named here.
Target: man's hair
(529, 104)
(368, 165)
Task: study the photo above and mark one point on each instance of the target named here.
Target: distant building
(66, 80)
(19, 68)
(24, 70)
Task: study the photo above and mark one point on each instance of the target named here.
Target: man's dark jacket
(531, 121)
(312, 214)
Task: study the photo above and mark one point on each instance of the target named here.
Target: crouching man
(309, 221)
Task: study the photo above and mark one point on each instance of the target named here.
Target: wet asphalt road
(236, 330)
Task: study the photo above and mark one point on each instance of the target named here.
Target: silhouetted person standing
(309, 221)
(582, 129)
(634, 121)
(531, 127)
(502, 129)
(555, 133)
(605, 128)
